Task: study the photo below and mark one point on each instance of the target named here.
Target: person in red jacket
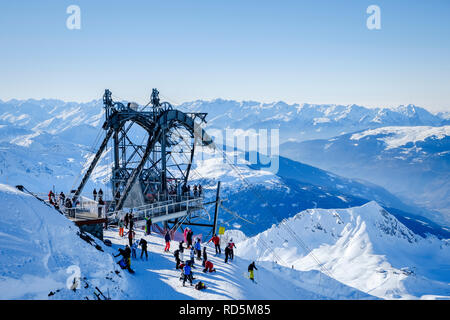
(231, 245)
(216, 241)
(209, 267)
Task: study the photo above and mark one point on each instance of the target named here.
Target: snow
(38, 246)
(157, 278)
(395, 137)
(363, 247)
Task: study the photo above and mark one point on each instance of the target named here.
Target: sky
(296, 51)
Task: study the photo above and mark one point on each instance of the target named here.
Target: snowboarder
(167, 239)
(143, 244)
(250, 271)
(198, 248)
(231, 245)
(205, 256)
(94, 193)
(121, 228)
(209, 267)
(148, 225)
(125, 262)
(216, 241)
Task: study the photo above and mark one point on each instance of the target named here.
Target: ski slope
(364, 247)
(157, 278)
(40, 249)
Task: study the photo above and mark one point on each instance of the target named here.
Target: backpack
(200, 286)
(123, 263)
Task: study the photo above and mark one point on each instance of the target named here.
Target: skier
(216, 241)
(126, 220)
(187, 272)
(130, 217)
(227, 253)
(100, 193)
(94, 193)
(209, 267)
(133, 249)
(200, 190)
(192, 255)
(205, 256)
(130, 234)
(231, 245)
(189, 235)
(121, 228)
(148, 226)
(143, 244)
(198, 248)
(250, 271)
(176, 254)
(167, 239)
(181, 248)
(125, 263)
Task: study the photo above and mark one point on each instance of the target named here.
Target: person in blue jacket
(198, 249)
(187, 272)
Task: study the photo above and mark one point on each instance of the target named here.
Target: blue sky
(295, 51)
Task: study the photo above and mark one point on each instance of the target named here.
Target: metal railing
(157, 209)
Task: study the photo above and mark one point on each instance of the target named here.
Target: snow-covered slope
(364, 247)
(157, 278)
(411, 162)
(257, 194)
(40, 251)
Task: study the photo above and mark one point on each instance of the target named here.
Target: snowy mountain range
(299, 122)
(364, 247)
(369, 241)
(355, 253)
(411, 162)
(46, 143)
